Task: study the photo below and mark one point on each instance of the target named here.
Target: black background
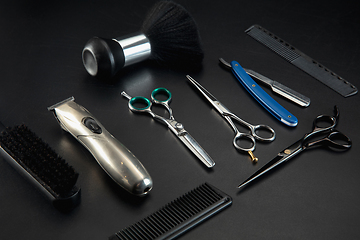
(314, 196)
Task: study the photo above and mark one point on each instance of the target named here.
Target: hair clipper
(114, 158)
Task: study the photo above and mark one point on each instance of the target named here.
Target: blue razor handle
(262, 97)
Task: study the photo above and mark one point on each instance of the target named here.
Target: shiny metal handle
(116, 160)
(136, 48)
(242, 136)
(263, 128)
(146, 107)
(239, 137)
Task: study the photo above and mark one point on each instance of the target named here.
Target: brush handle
(262, 97)
(115, 159)
(103, 58)
(136, 48)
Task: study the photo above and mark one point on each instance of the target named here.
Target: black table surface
(313, 196)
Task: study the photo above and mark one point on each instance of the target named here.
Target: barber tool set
(170, 37)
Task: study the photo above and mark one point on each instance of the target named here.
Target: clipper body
(114, 158)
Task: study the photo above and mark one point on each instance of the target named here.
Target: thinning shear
(142, 104)
(323, 124)
(225, 113)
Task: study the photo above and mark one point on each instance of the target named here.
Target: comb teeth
(273, 42)
(302, 61)
(177, 216)
(41, 165)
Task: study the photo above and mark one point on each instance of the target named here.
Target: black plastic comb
(41, 165)
(302, 61)
(177, 216)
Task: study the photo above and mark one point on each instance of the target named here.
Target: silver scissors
(142, 104)
(323, 134)
(225, 113)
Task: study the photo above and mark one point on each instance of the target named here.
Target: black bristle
(173, 35)
(33, 154)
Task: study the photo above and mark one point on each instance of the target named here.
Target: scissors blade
(216, 104)
(281, 89)
(205, 92)
(191, 143)
(281, 157)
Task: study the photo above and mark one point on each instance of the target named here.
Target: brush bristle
(33, 154)
(173, 35)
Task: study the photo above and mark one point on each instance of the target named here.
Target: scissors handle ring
(161, 91)
(336, 135)
(335, 140)
(329, 120)
(141, 101)
(265, 128)
(164, 92)
(240, 136)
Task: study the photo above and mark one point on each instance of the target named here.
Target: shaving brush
(168, 35)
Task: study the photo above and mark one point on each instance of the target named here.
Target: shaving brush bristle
(173, 35)
(169, 36)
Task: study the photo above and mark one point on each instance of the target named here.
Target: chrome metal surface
(191, 143)
(176, 127)
(281, 89)
(114, 158)
(229, 116)
(136, 48)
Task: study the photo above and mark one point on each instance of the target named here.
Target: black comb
(41, 165)
(177, 216)
(302, 61)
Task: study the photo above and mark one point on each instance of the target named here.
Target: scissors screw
(287, 151)
(253, 158)
(179, 126)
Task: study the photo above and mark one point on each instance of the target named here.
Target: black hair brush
(168, 35)
(39, 164)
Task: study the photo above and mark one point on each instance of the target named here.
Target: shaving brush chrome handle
(103, 58)
(168, 35)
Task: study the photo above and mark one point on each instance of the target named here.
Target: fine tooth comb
(40, 165)
(302, 61)
(178, 216)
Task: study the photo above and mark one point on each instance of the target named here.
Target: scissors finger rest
(335, 140)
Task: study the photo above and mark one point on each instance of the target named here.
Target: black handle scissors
(323, 134)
